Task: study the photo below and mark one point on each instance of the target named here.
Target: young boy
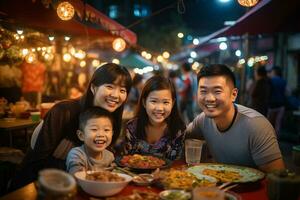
(96, 131)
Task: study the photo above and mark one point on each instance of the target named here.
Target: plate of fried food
(183, 180)
(227, 173)
(142, 163)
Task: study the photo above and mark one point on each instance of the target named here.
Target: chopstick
(126, 171)
(227, 186)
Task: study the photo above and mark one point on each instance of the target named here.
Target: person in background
(134, 95)
(178, 84)
(260, 92)
(52, 90)
(108, 89)
(10, 82)
(74, 92)
(277, 98)
(95, 131)
(186, 93)
(33, 80)
(157, 128)
(234, 133)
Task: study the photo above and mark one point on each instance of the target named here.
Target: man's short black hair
(261, 71)
(186, 67)
(277, 70)
(94, 112)
(216, 70)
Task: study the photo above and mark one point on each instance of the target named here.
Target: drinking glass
(193, 149)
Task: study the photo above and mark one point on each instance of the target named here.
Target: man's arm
(273, 165)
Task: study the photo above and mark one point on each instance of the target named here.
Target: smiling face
(158, 105)
(216, 95)
(97, 135)
(109, 96)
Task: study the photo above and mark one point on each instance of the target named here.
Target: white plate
(247, 174)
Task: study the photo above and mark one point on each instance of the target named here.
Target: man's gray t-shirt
(78, 160)
(250, 141)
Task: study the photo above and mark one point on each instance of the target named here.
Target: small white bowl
(175, 195)
(143, 179)
(99, 188)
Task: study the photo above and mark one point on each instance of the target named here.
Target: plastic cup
(35, 116)
(193, 149)
(56, 184)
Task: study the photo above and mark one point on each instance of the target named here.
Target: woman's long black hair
(174, 121)
(108, 74)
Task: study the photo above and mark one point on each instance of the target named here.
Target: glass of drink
(193, 149)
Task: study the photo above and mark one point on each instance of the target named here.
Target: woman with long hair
(108, 89)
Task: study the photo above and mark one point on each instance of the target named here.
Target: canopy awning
(133, 60)
(34, 14)
(267, 17)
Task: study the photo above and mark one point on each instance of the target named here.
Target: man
(186, 92)
(260, 93)
(277, 99)
(234, 134)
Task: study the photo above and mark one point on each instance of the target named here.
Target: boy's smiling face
(97, 135)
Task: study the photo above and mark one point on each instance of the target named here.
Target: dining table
(10, 125)
(245, 191)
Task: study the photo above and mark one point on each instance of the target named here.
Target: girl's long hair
(174, 121)
(108, 74)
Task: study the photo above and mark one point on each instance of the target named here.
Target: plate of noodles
(142, 163)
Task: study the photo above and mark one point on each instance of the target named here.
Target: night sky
(198, 19)
(201, 16)
(207, 16)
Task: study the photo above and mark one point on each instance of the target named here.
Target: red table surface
(247, 191)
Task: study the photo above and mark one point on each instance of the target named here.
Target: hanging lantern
(248, 3)
(119, 44)
(65, 11)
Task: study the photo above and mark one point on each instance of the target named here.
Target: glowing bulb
(82, 63)
(180, 35)
(116, 61)
(65, 11)
(67, 57)
(20, 32)
(223, 46)
(248, 3)
(144, 53)
(166, 54)
(159, 58)
(95, 63)
(67, 38)
(119, 44)
(238, 53)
